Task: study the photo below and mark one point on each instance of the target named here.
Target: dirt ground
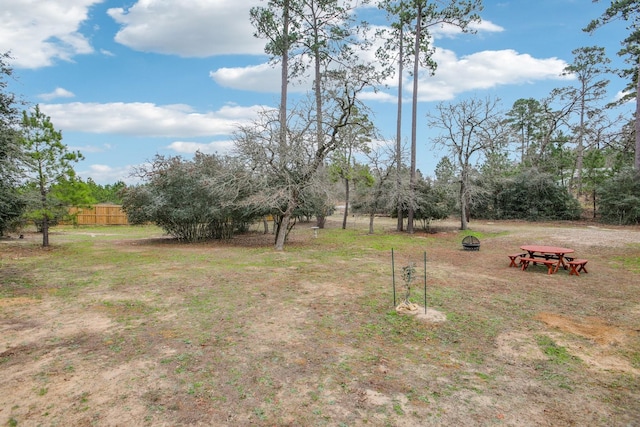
(294, 343)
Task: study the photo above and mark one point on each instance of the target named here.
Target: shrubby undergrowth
(529, 195)
(620, 198)
(193, 200)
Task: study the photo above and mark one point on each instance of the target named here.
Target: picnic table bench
(551, 264)
(577, 265)
(513, 258)
(552, 257)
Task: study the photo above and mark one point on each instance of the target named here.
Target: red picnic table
(551, 256)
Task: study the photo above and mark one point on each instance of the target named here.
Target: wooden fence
(100, 215)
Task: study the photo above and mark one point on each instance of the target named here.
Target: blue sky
(126, 80)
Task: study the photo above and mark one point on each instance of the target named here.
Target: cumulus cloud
(104, 174)
(147, 119)
(57, 93)
(40, 32)
(188, 29)
(484, 70)
(378, 96)
(455, 75)
(451, 31)
(184, 147)
(263, 78)
(259, 78)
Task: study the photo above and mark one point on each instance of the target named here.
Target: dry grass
(122, 326)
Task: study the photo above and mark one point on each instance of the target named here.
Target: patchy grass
(122, 325)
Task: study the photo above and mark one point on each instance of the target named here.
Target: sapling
(408, 275)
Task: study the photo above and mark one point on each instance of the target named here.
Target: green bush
(529, 195)
(192, 200)
(620, 198)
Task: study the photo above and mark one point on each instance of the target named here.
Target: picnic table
(551, 256)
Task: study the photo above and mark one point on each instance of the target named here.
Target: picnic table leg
(573, 270)
(561, 261)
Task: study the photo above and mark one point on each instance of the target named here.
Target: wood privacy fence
(100, 215)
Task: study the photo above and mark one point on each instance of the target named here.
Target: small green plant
(259, 412)
(635, 359)
(557, 354)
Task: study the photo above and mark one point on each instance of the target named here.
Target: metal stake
(393, 275)
(425, 282)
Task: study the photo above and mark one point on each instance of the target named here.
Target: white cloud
(259, 78)
(91, 148)
(57, 93)
(621, 94)
(184, 147)
(103, 174)
(454, 75)
(190, 28)
(263, 78)
(485, 26)
(452, 31)
(484, 70)
(147, 119)
(40, 32)
(378, 96)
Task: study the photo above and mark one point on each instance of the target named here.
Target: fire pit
(471, 243)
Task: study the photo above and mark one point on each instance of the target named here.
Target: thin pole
(425, 282)
(393, 275)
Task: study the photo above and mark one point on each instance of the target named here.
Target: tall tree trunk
(284, 78)
(284, 84)
(371, 216)
(414, 118)
(317, 86)
(45, 215)
(637, 124)
(400, 224)
(45, 230)
(281, 237)
(580, 146)
(346, 204)
(463, 205)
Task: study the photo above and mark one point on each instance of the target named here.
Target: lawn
(123, 326)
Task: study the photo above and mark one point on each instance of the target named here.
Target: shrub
(529, 195)
(192, 200)
(620, 198)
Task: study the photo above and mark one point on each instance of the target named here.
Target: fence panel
(100, 215)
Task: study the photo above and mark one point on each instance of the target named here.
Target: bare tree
(377, 195)
(320, 30)
(288, 171)
(468, 131)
